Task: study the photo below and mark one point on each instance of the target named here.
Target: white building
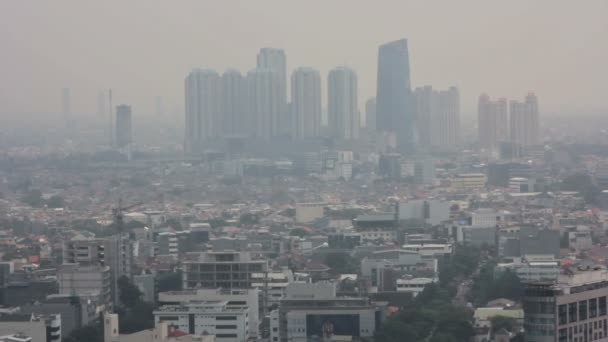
(492, 121)
(87, 281)
(532, 268)
(162, 332)
(275, 60)
(413, 286)
(244, 299)
(207, 318)
(203, 108)
(305, 103)
(44, 328)
(484, 217)
(525, 121)
(264, 102)
(429, 250)
(343, 113)
(234, 118)
(432, 212)
(438, 117)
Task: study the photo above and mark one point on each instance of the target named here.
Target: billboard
(326, 326)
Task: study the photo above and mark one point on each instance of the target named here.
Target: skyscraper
(394, 107)
(306, 103)
(370, 115)
(493, 122)
(343, 115)
(264, 102)
(437, 117)
(275, 59)
(123, 126)
(203, 116)
(524, 121)
(234, 118)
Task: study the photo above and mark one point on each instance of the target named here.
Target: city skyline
(476, 55)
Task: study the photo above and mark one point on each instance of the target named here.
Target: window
(563, 335)
(225, 318)
(225, 335)
(582, 310)
(593, 308)
(572, 312)
(225, 327)
(602, 305)
(563, 314)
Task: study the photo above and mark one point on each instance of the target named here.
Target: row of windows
(588, 332)
(582, 310)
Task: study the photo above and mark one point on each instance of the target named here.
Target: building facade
(305, 103)
(343, 113)
(203, 109)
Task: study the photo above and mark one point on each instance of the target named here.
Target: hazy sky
(145, 48)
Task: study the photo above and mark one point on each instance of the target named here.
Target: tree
(33, 198)
(249, 219)
(298, 232)
(90, 333)
(129, 294)
(341, 262)
(500, 322)
(583, 184)
(55, 202)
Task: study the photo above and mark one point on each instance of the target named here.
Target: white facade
(234, 117)
(525, 121)
(532, 268)
(438, 115)
(275, 60)
(413, 286)
(207, 318)
(244, 299)
(305, 103)
(264, 104)
(203, 108)
(343, 113)
(493, 122)
(484, 217)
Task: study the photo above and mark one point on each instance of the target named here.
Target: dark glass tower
(395, 110)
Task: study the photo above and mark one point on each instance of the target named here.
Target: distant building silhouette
(203, 116)
(394, 103)
(306, 103)
(343, 115)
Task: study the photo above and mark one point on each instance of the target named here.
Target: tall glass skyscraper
(395, 110)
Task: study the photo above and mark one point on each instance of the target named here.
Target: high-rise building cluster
(256, 105)
(508, 122)
(437, 117)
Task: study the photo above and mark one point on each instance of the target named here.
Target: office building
(524, 120)
(115, 251)
(531, 268)
(394, 109)
(370, 115)
(424, 171)
(315, 312)
(572, 309)
(228, 324)
(246, 299)
(264, 102)
(305, 103)
(469, 181)
(227, 270)
(437, 117)
(86, 281)
(235, 121)
(203, 109)
(343, 113)
(124, 134)
(493, 122)
(275, 60)
(430, 211)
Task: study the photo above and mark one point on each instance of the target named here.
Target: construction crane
(118, 214)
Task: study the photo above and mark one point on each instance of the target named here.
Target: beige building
(308, 212)
(163, 332)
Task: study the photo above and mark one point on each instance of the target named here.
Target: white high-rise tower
(306, 103)
(234, 118)
(263, 102)
(275, 59)
(203, 110)
(342, 110)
